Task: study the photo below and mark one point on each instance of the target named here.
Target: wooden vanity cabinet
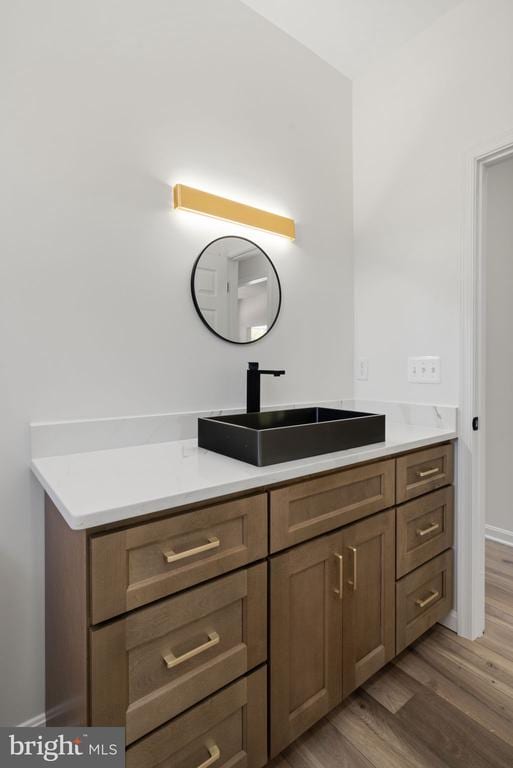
(165, 624)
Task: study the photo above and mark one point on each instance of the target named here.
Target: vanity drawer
(304, 510)
(155, 663)
(424, 529)
(135, 566)
(423, 471)
(422, 598)
(231, 725)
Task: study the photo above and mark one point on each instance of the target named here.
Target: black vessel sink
(270, 437)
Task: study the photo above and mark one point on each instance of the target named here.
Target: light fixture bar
(196, 201)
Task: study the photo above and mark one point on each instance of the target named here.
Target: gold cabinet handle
(173, 661)
(215, 754)
(171, 556)
(353, 582)
(340, 591)
(428, 472)
(428, 600)
(424, 531)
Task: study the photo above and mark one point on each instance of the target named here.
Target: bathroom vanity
(218, 630)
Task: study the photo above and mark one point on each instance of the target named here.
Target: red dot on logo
(76, 741)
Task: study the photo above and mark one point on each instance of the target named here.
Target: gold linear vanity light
(194, 200)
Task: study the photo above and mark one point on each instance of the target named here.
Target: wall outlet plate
(424, 370)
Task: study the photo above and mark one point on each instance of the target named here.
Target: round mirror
(236, 290)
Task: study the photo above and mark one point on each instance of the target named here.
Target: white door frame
(471, 444)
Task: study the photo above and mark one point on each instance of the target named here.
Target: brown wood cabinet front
(424, 529)
(332, 622)
(423, 597)
(369, 598)
(306, 637)
(229, 729)
(182, 672)
(137, 565)
(301, 511)
(419, 472)
(155, 663)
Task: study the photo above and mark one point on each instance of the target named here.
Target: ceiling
(352, 35)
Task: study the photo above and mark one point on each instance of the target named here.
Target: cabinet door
(306, 637)
(369, 598)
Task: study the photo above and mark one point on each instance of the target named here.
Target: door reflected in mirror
(236, 289)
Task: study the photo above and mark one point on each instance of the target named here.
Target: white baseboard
(451, 621)
(499, 534)
(38, 721)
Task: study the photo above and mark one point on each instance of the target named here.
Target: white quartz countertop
(106, 486)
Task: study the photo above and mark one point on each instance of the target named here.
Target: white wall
(414, 119)
(105, 104)
(499, 332)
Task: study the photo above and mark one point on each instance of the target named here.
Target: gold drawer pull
(429, 472)
(428, 600)
(355, 568)
(424, 531)
(173, 661)
(215, 754)
(340, 591)
(171, 556)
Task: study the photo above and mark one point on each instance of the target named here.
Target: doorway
(485, 245)
(498, 362)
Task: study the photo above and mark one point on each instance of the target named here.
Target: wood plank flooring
(444, 703)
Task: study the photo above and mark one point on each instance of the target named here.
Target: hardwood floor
(445, 702)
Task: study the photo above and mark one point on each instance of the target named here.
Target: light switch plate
(424, 370)
(362, 369)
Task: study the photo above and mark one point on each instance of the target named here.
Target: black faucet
(253, 386)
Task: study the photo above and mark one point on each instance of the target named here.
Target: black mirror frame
(198, 310)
